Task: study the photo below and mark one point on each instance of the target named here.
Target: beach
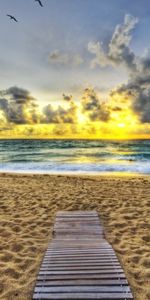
(29, 203)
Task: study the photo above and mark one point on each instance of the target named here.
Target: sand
(28, 205)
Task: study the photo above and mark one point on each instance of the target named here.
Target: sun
(121, 125)
(82, 119)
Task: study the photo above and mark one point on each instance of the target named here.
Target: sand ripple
(28, 206)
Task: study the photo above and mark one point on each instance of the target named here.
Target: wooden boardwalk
(79, 263)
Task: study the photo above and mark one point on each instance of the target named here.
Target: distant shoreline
(77, 174)
(74, 139)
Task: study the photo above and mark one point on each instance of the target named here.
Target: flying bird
(40, 3)
(12, 18)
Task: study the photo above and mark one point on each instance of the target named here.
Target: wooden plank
(66, 264)
(82, 221)
(102, 296)
(82, 268)
(74, 219)
(84, 263)
(73, 213)
(79, 252)
(78, 257)
(79, 244)
(97, 241)
(76, 232)
(82, 259)
(45, 260)
(79, 223)
(75, 272)
(82, 289)
(87, 256)
(78, 260)
(71, 219)
(81, 276)
(84, 247)
(93, 250)
(78, 218)
(82, 230)
(83, 282)
(70, 255)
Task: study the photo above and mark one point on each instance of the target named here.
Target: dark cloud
(91, 105)
(141, 105)
(60, 114)
(145, 61)
(19, 106)
(138, 89)
(18, 95)
(3, 105)
(67, 97)
(119, 50)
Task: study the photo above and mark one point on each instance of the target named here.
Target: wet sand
(29, 203)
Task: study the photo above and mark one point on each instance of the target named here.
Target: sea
(75, 156)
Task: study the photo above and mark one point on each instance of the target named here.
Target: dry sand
(28, 204)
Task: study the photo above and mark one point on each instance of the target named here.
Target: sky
(75, 69)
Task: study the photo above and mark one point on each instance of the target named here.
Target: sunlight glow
(122, 123)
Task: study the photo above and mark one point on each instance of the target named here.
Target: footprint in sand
(146, 263)
(26, 264)
(146, 239)
(12, 273)
(135, 259)
(6, 257)
(16, 247)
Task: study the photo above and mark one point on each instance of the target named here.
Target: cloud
(59, 115)
(3, 105)
(119, 51)
(58, 57)
(67, 97)
(100, 57)
(93, 107)
(18, 95)
(140, 98)
(18, 106)
(138, 88)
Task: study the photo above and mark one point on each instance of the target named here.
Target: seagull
(40, 3)
(12, 18)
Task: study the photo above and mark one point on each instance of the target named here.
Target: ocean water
(75, 156)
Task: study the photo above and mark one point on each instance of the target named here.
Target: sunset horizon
(92, 82)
